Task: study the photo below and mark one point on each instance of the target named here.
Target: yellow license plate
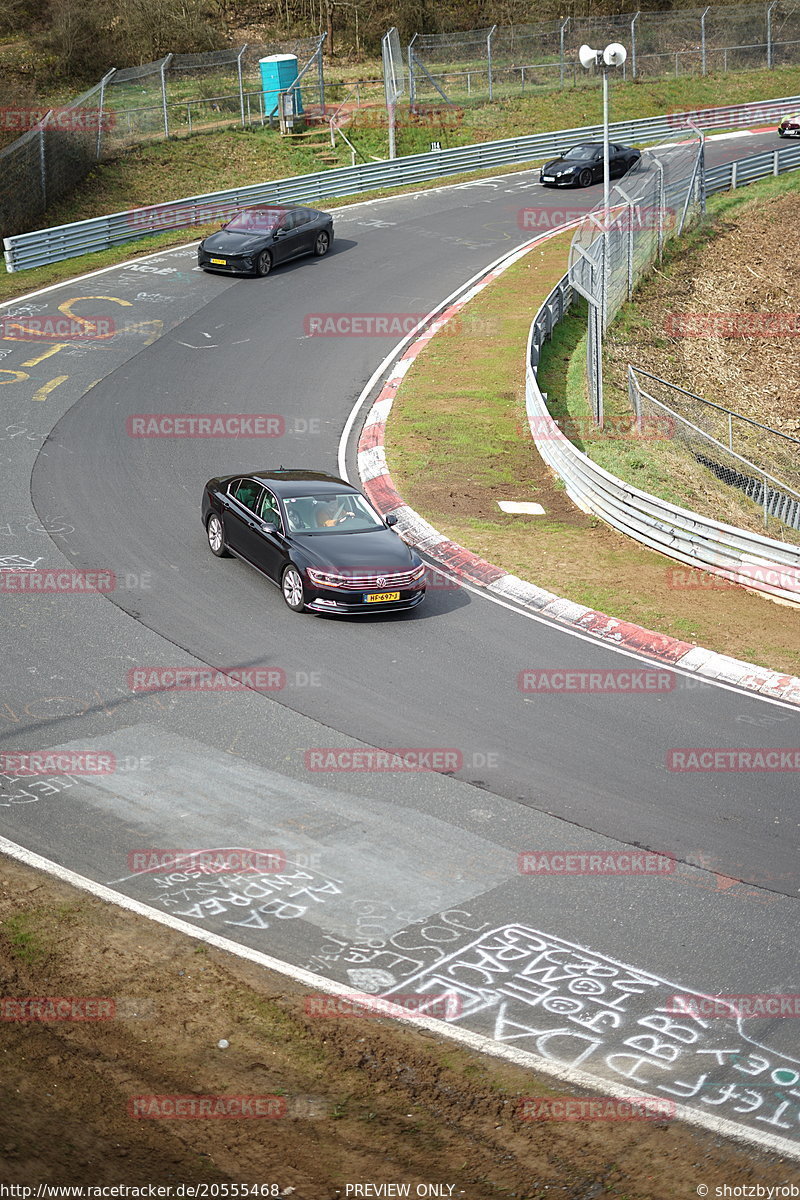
(221, 262)
(382, 596)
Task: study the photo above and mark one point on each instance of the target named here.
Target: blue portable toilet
(278, 73)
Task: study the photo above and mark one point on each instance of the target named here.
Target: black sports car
(583, 165)
(259, 238)
(316, 537)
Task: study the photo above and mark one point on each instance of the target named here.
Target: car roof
(279, 204)
(289, 480)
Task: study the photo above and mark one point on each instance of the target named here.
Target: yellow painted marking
(32, 362)
(18, 375)
(141, 326)
(66, 309)
(43, 392)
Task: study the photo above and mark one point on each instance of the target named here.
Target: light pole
(614, 55)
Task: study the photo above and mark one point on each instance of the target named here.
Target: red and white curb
(465, 566)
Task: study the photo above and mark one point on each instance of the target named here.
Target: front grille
(373, 581)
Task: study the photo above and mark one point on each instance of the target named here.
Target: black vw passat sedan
(316, 537)
(583, 165)
(258, 239)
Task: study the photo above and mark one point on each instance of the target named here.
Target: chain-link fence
(736, 449)
(49, 159)
(179, 94)
(612, 250)
(499, 61)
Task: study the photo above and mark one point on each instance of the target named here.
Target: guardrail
(761, 563)
(43, 246)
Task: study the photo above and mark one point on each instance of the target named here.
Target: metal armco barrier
(44, 246)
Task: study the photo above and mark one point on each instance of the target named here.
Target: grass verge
(457, 443)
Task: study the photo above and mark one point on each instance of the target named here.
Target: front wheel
(263, 263)
(216, 537)
(292, 589)
(585, 178)
(323, 244)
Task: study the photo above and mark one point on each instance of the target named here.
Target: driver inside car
(331, 514)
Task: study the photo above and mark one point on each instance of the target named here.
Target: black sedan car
(583, 165)
(259, 238)
(316, 538)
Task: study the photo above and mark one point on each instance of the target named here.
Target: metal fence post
(633, 44)
(321, 73)
(561, 33)
(43, 157)
(634, 397)
(412, 90)
(489, 59)
(241, 85)
(770, 7)
(164, 64)
(703, 37)
(106, 79)
(661, 206)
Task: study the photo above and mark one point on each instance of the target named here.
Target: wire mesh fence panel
(136, 97)
(72, 142)
(611, 251)
(46, 162)
(769, 449)
(503, 60)
(784, 33)
(776, 498)
(22, 191)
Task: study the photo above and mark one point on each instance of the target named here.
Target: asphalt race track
(398, 883)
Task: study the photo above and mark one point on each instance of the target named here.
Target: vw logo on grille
(381, 581)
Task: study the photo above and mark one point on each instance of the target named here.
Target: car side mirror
(269, 527)
(391, 520)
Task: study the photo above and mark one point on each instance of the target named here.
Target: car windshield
(258, 220)
(581, 152)
(332, 512)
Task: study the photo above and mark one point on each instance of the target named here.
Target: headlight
(327, 578)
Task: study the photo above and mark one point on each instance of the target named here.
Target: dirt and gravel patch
(745, 266)
(365, 1100)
